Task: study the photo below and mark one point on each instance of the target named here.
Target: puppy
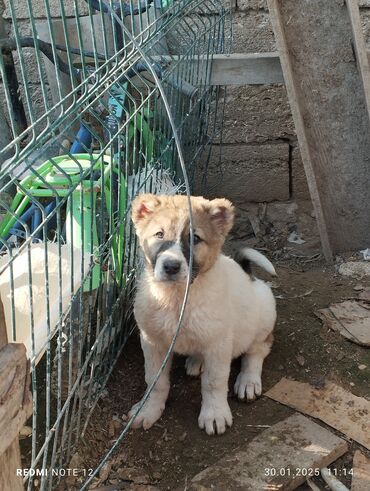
(229, 313)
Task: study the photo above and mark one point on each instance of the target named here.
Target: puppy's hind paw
(215, 419)
(193, 366)
(248, 385)
(149, 414)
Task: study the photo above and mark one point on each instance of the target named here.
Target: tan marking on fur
(212, 220)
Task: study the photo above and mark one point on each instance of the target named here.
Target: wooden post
(360, 48)
(326, 91)
(15, 406)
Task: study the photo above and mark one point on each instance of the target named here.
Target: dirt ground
(168, 455)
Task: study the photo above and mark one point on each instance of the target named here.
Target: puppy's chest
(194, 329)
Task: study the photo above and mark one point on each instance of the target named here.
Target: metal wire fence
(83, 130)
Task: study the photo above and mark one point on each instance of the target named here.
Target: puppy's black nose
(171, 266)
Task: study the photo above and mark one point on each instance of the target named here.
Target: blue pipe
(83, 140)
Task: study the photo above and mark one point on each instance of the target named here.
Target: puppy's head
(163, 228)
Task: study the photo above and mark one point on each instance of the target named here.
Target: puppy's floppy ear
(143, 206)
(222, 214)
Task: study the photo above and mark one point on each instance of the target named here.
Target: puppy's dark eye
(197, 239)
(159, 235)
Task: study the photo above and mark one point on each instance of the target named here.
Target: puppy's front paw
(149, 414)
(248, 385)
(193, 366)
(214, 418)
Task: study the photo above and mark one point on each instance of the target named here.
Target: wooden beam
(329, 109)
(10, 461)
(240, 69)
(233, 69)
(252, 69)
(246, 69)
(15, 406)
(362, 55)
(14, 392)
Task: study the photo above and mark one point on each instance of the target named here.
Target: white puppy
(229, 313)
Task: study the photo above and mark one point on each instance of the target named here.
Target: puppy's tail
(247, 256)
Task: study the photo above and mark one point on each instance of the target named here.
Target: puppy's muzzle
(171, 267)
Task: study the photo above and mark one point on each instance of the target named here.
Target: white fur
(228, 314)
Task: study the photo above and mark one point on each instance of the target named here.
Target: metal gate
(84, 128)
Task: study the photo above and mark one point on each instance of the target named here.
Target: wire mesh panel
(83, 130)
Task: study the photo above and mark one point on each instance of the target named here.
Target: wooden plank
(332, 404)
(329, 110)
(361, 472)
(276, 459)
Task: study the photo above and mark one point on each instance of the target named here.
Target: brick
(37, 104)
(300, 189)
(251, 5)
(250, 173)
(30, 62)
(39, 12)
(257, 114)
(252, 32)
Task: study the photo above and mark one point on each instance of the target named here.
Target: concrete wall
(259, 117)
(260, 168)
(259, 139)
(260, 160)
